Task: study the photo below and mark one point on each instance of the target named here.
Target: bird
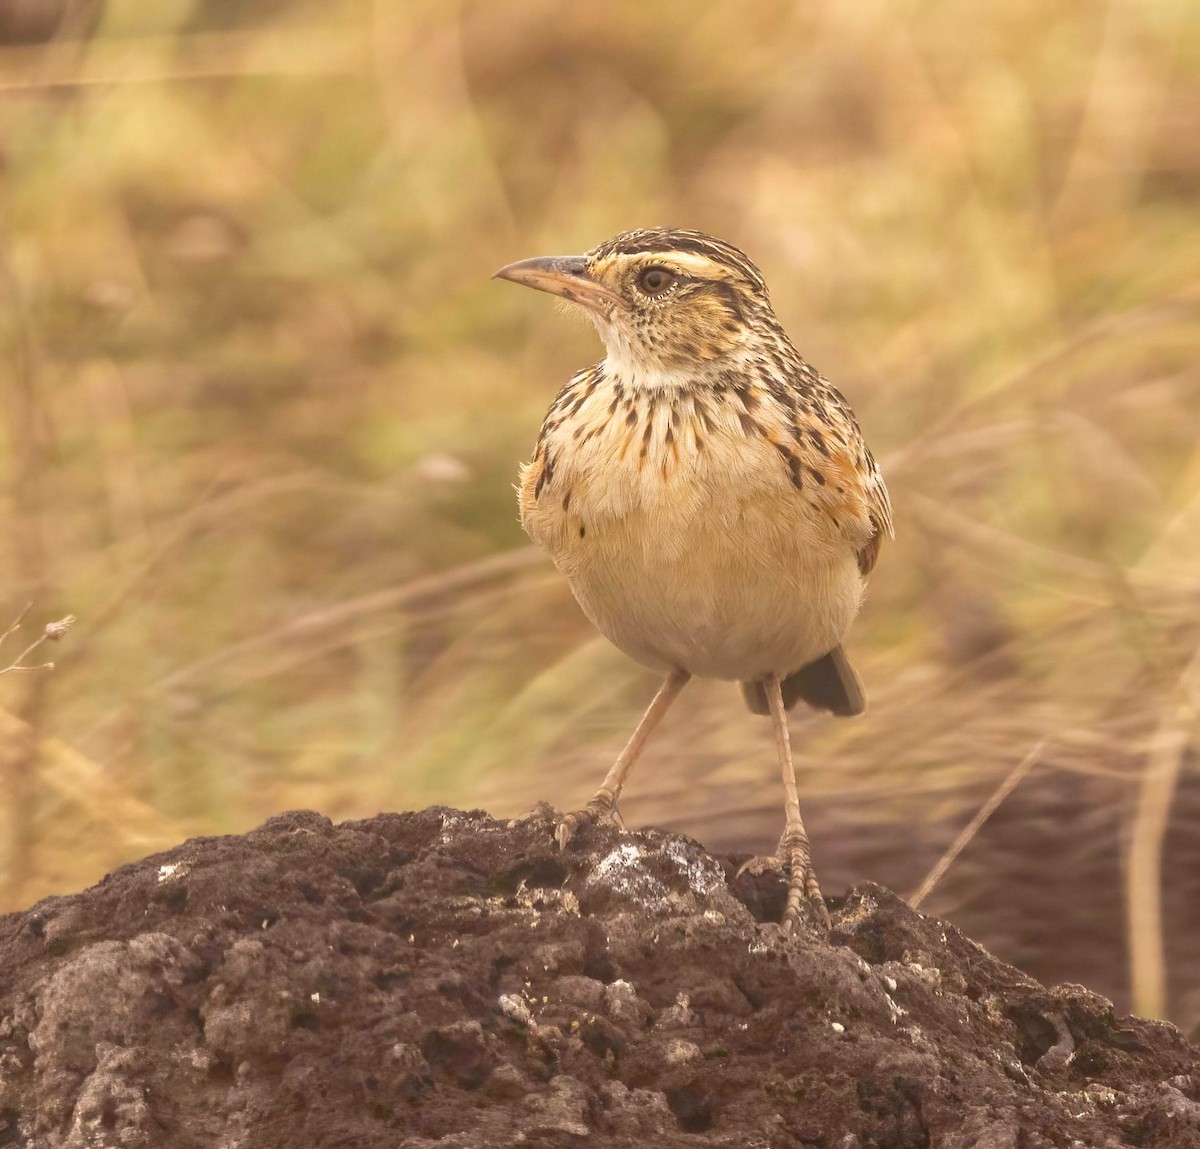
(709, 497)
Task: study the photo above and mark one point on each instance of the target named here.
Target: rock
(442, 979)
(563, 1108)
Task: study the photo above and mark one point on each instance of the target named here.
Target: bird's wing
(539, 471)
(836, 469)
(879, 509)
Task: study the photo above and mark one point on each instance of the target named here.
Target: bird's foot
(793, 859)
(602, 808)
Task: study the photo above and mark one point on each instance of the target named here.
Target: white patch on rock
(704, 874)
(515, 1008)
(680, 1051)
(624, 871)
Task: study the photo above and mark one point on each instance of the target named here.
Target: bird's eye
(655, 280)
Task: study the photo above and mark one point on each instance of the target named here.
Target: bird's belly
(721, 584)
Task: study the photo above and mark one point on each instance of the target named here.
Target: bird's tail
(830, 684)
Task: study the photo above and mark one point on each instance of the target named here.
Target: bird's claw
(793, 859)
(761, 864)
(602, 808)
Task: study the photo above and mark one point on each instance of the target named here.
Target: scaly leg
(603, 806)
(794, 854)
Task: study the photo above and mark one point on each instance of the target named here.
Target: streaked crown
(691, 299)
(664, 299)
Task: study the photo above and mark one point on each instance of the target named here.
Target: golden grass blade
(316, 51)
(410, 595)
(1143, 873)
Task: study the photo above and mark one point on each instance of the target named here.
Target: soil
(443, 978)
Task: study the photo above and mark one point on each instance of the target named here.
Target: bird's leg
(794, 854)
(603, 805)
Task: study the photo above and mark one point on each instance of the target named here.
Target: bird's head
(667, 303)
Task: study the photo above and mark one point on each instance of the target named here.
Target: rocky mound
(442, 978)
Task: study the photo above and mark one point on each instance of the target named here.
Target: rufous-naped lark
(708, 496)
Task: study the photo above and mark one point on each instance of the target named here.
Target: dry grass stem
(973, 826)
(1144, 864)
(52, 632)
(15, 625)
(314, 51)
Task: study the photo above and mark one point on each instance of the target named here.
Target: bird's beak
(565, 275)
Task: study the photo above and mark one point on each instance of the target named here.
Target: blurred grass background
(263, 409)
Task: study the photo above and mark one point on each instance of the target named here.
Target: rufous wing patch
(869, 554)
